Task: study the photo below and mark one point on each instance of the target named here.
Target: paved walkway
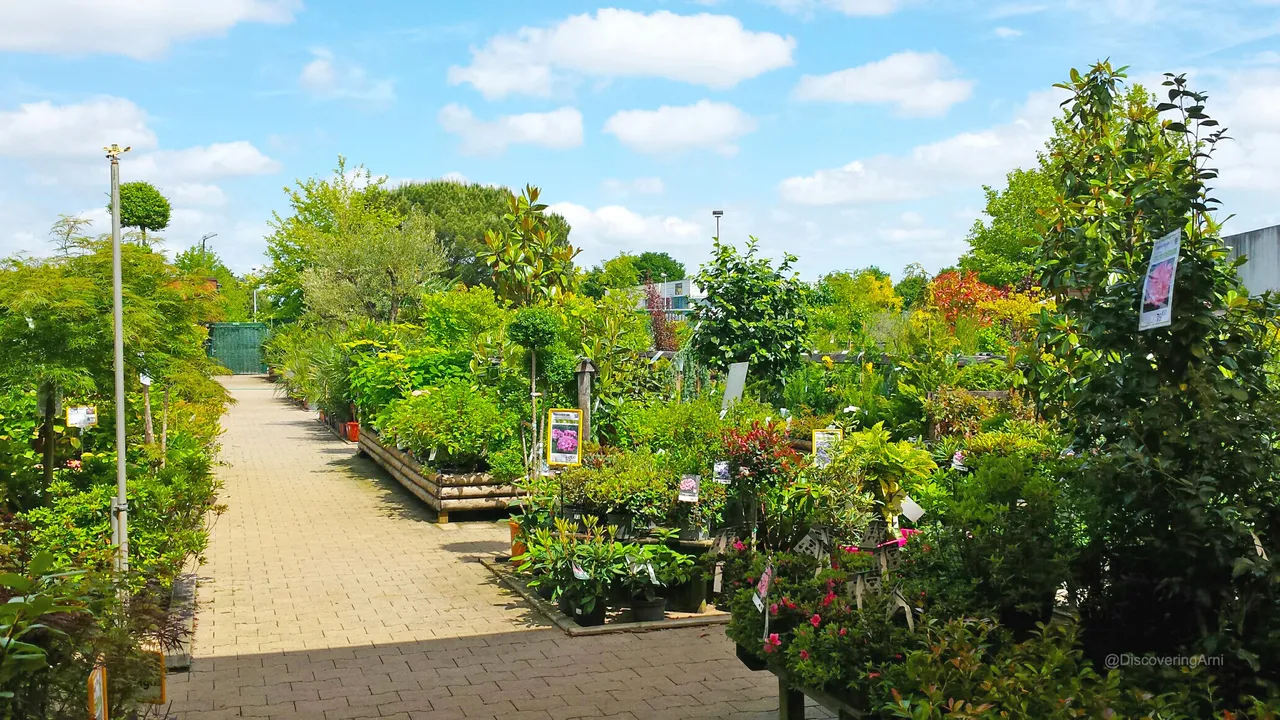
(328, 593)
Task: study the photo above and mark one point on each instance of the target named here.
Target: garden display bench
(791, 698)
(443, 492)
(498, 566)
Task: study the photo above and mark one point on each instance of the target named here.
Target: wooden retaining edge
(573, 629)
(454, 498)
(437, 479)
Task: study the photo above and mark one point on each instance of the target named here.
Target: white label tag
(718, 581)
(579, 573)
(759, 603)
(653, 578)
(910, 509)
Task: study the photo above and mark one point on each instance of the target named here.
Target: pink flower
(804, 654)
(844, 631)
(815, 620)
(74, 464)
(831, 596)
(773, 609)
(906, 533)
(787, 602)
(772, 643)
(737, 545)
(873, 676)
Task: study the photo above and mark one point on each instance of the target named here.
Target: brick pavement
(328, 593)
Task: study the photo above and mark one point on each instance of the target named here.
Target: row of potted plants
(587, 569)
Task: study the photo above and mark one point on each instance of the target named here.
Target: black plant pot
(580, 616)
(690, 597)
(750, 659)
(648, 610)
(624, 524)
(693, 532)
(546, 590)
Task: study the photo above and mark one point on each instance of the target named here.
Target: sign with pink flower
(1157, 290)
(564, 431)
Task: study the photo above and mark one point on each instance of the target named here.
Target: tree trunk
(149, 434)
(533, 396)
(164, 429)
(49, 410)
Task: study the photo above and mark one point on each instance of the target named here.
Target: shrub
(463, 424)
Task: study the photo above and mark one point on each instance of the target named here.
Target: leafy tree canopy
(529, 261)
(461, 214)
(659, 266)
(1003, 249)
(142, 206)
(913, 286)
(235, 294)
(753, 312)
(615, 274)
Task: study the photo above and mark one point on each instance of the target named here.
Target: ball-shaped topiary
(534, 328)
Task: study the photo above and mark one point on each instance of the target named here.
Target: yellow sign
(564, 437)
(98, 693)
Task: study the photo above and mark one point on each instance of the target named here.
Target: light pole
(120, 506)
(717, 214)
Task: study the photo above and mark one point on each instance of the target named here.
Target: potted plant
(640, 565)
(586, 572)
(543, 553)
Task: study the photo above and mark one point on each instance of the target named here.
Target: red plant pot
(352, 431)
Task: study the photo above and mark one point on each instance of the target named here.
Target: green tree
(528, 260)
(1003, 250)
(462, 213)
(753, 312)
(659, 266)
(68, 234)
(617, 273)
(844, 304)
(373, 271)
(913, 286)
(142, 206)
(235, 295)
(323, 211)
(1176, 424)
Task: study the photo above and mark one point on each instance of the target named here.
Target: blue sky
(849, 132)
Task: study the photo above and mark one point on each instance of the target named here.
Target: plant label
(814, 543)
(911, 510)
(766, 577)
(823, 440)
(758, 602)
(564, 435)
(653, 577)
(734, 386)
(722, 472)
(579, 573)
(1157, 288)
(98, 693)
(689, 488)
(717, 581)
(145, 380)
(82, 416)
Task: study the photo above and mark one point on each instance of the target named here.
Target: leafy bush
(463, 424)
(534, 327)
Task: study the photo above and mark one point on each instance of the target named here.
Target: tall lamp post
(120, 506)
(717, 214)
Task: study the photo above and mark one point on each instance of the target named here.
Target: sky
(846, 132)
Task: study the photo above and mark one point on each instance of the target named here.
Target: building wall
(1261, 272)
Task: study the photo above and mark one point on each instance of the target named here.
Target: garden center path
(328, 593)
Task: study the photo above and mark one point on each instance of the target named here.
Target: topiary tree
(753, 312)
(1177, 425)
(534, 328)
(142, 206)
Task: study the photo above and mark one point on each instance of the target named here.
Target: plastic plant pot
(648, 610)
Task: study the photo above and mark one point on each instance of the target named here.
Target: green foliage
(462, 213)
(844, 305)
(618, 273)
(534, 328)
(1003, 251)
(658, 266)
(142, 206)
(888, 470)
(752, 313)
(460, 316)
(234, 294)
(1182, 418)
(34, 599)
(529, 259)
(462, 423)
(913, 288)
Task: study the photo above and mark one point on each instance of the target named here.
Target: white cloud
(1016, 10)
(916, 84)
(197, 194)
(639, 186)
(327, 78)
(194, 164)
(705, 124)
(137, 28)
(704, 49)
(965, 160)
(559, 130)
(1007, 33)
(846, 7)
(608, 230)
(1249, 106)
(81, 130)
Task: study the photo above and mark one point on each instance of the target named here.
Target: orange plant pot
(517, 545)
(353, 431)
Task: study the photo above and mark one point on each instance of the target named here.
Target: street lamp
(717, 214)
(120, 506)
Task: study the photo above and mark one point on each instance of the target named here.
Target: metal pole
(121, 504)
(255, 304)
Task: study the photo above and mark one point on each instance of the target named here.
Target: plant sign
(98, 693)
(1157, 289)
(82, 416)
(722, 472)
(822, 442)
(564, 428)
(689, 488)
(734, 385)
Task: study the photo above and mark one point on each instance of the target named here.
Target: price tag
(579, 573)
(722, 472)
(910, 509)
(653, 578)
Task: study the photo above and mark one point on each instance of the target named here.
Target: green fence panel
(238, 346)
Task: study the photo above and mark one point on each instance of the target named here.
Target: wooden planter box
(444, 492)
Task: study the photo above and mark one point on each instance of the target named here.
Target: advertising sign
(564, 437)
(82, 416)
(1157, 289)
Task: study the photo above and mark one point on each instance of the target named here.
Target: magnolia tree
(1177, 425)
